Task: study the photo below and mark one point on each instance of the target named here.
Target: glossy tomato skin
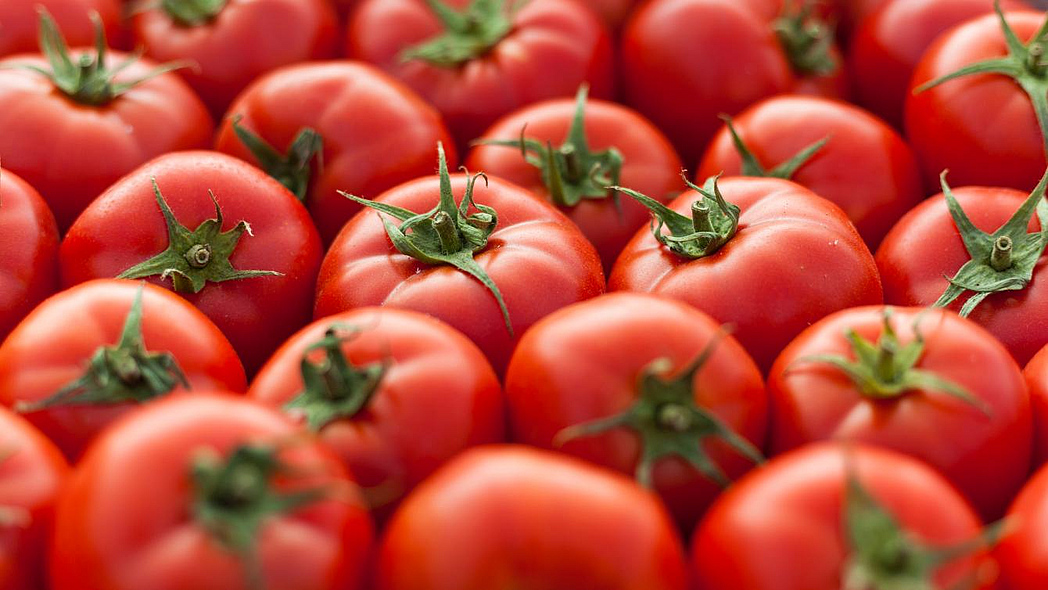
(20, 33)
(47, 351)
(29, 244)
(1036, 373)
(554, 46)
(865, 167)
(377, 132)
(245, 40)
(790, 243)
(781, 526)
(31, 475)
(650, 165)
(71, 152)
(925, 247)
(514, 516)
(134, 479)
(532, 245)
(124, 227)
(584, 362)
(1023, 551)
(438, 397)
(982, 127)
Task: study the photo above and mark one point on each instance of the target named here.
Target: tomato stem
(192, 13)
(806, 39)
(292, 169)
(752, 167)
(1001, 256)
(468, 34)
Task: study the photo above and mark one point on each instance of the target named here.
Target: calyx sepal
(293, 168)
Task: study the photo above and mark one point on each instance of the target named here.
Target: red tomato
(743, 62)
(1036, 374)
(864, 166)
(519, 53)
(233, 280)
(514, 239)
(394, 393)
(1023, 552)
(109, 360)
(612, 12)
(29, 243)
(209, 492)
(790, 244)
(517, 517)
(828, 517)
(852, 13)
(643, 385)
(358, 112)
(625, 148)
(232, 42)
(21, 22)
(32, 471)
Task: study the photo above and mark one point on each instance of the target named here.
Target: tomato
(125, 348)
(782, 259)
(394, 393)
(32, 471)
(209, 492)
(518, 517)
(864, 165)
(852, 13)
(480, 276)
(357, 112)
(1023, 550)
(21, 22)
(29, 243)
(745, 61)
(255, 285)
(232, 42)
(828, 517)
(598, 143)
(1036, 374)
(980, 127)
(646, 386)
(514, 54)
(612, 12)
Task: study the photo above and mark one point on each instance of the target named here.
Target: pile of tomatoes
(523, 294)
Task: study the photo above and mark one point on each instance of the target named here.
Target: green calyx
(468, 34)
(1001, 261)
(334, 388)
(447, 234)
(195, 258)
(291, 169)
(669, 422)
(806, 39)
(124, 372)
(785, 170)
(192, 13)
(887, 369)
(571, 172)
(712, 224)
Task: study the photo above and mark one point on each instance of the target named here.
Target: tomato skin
(438, 397)
(555, 45)
(533, 244)
(134, 479)
(981, 127)
(612, 12)
(583, 362)
(780, 527)
(124, 226)
(245, 40)
(925, 247)
(780, 221)
(71, 152)
(650, 164)
(1036, 374)
(29, 242)
(31, 476)
(360, 112)
(22, 23)
(865, 167)
(514, 516)
(1023, 551)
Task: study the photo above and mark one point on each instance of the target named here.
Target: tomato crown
(292, 169)
(191, 13)
(806, 39)
(468, 34)
(785, 170)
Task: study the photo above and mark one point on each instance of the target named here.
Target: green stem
(1001, 256)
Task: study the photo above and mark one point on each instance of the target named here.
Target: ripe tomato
(518, 517)
(21, 22)
(124, 348)
(828, 517)
(232, 42)
(786, 241)
(646, 386)
(357, 112)
(32, 471)
(480, 276)
(394, 393)
(1036, 374)
(612, 12)
(255, 285)
(484, 59)
(864, 166)
(1023, 552)
(597, 143)
(209, 492)
(29, 243)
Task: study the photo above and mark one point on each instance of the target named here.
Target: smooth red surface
(29, 243)
(21, 22)
(1036, 374)
(1023, 552)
